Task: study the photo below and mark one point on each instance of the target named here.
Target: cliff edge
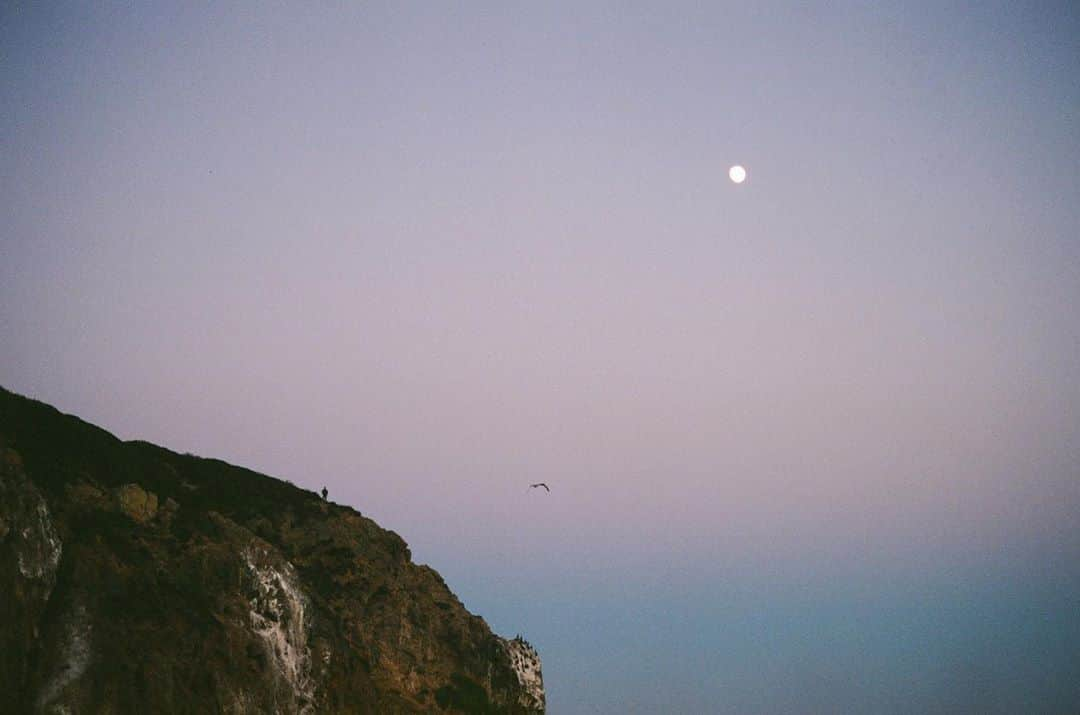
(134, 579)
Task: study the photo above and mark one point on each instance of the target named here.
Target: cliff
(134, 579)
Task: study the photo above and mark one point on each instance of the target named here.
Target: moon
(737, 174)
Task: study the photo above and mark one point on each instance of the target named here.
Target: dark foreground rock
(137, 580)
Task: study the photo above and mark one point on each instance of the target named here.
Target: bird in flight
(539, 484)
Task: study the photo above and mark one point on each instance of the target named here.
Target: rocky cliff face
(134, 579)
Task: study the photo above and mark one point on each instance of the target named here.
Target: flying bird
(539, 484)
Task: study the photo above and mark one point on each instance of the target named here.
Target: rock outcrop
(134, 579)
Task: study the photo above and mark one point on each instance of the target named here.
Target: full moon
(737, 174)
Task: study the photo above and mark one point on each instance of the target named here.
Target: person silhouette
(324, 493)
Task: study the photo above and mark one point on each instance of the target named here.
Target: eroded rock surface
(30, 552)
(526, 663)
(134, 579)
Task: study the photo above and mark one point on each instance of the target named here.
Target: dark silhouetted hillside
(137, 580)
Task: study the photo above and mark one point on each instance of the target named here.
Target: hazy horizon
(813, 441)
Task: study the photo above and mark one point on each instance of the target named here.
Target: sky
(813, 441)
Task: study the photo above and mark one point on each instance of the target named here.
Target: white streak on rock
(39, 547)
(278, 616)
(526, 664)
(74, 659)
